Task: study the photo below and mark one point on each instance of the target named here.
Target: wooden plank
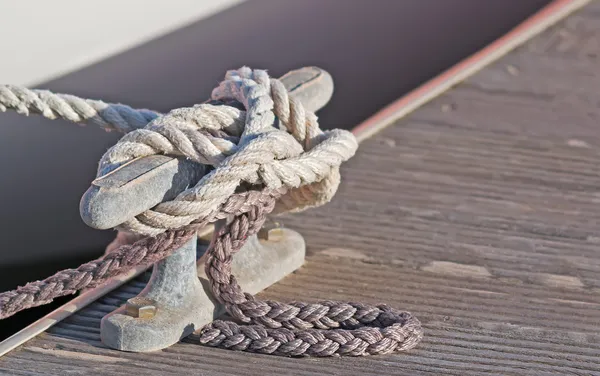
(478, 213)
(531, 27)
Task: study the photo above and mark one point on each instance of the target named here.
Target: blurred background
(162, 55)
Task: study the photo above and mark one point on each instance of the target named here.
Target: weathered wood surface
(479, 213)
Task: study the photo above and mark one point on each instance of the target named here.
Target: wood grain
(479, 213)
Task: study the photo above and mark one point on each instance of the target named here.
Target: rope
(306, 161)
(146, 251)
(272, 157)
(117, 117)
(110, 116)
(322, 329)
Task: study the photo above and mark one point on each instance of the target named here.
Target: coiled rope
(277, 153)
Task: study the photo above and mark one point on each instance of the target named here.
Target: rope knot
(275, 143)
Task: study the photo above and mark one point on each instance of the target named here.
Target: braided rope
(146, 251)
(321, 329)
(297, 169)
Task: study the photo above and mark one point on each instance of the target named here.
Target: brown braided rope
(296, 329)
(146, 251)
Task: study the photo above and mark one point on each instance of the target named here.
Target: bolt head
(140, 307)
(271, 231)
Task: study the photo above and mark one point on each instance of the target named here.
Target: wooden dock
(479, 212)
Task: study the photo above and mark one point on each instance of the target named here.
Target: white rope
(303, 159)
(117, 117)
(275, 142)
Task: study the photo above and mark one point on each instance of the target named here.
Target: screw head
(140, 307)
(271, 231)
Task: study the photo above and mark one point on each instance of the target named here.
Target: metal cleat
(177, 299)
